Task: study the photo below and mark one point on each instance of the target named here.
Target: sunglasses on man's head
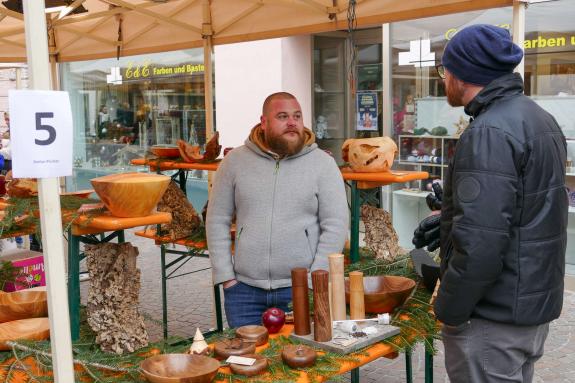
(440, 71)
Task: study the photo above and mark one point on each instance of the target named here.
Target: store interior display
(23, 329)
(337, 288)
(113, 297)
(273, 319)
(380, 236)
(258, 367)
(23, 304)
(321, 307)
(253, 333)
(369, 154)
(130, 194)
(300, 301)
(381, 293)
(185, 219)
(180, 368)
(193, 153)
(199, 345)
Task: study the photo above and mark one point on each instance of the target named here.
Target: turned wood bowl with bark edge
(23, 304)
(166, 151)
(131, 194)
(179, 368)
(259, 366)
(383, 293)
(253, 333)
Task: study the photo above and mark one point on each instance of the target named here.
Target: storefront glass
(122, 107)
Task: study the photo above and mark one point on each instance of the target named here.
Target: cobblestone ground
(190, 306)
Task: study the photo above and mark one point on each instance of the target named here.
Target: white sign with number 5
(41, 133)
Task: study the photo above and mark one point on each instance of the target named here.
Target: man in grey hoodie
(291, 211)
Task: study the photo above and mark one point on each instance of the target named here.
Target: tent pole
(49, 200)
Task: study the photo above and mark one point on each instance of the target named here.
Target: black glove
(427, 233)
(434, 199)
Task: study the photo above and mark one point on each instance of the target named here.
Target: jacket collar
(256, 143)
(507, 85)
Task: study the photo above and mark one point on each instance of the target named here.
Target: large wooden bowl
(131, 194)
(180, 368)
(29, 329)
(383, 293)
(23, 304)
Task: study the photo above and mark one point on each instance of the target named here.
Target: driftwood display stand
(113, 297)
(380, 236)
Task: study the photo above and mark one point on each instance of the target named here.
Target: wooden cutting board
(30, 329)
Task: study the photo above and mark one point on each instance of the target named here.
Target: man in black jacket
(503, 216)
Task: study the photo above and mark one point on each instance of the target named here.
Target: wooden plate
(79, 193)
(237, 346)
(22, 305)
(30, 329)
(253, 333)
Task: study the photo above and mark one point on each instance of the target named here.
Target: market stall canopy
(90, 29)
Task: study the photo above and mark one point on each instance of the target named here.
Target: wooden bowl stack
(23, 315)
(383, 293)
(131, 194)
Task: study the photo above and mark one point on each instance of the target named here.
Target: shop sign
(149, 70)
(419, 55)
(366, 111)
(40, 133)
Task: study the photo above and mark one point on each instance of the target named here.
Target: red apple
(273, 319)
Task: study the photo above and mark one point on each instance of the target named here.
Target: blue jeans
(245, 304)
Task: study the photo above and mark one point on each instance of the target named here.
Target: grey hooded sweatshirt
(290, 212)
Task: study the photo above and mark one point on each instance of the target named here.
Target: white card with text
(41, 133)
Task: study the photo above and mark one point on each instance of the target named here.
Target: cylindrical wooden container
(356, 295)
(321, 318)
(337, 286)
(300, 300)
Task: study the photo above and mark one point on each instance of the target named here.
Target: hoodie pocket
(312, 239)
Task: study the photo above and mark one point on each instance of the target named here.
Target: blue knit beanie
(481, 53)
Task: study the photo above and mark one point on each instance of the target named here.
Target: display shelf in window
(426, 150)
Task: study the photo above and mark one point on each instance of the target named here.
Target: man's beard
(454, 94)
(284, 147)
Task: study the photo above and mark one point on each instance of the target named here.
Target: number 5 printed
(50, 129)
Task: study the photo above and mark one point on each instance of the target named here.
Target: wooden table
(85, 229)
(372, 353)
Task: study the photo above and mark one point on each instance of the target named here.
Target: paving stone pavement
(190, 306)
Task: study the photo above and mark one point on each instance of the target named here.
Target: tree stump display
(380, 236)
(113, 297)
(185, 219)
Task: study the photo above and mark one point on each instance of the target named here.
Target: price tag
(41, 133)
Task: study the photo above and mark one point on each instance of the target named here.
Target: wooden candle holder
(321, 318)
(300, 301)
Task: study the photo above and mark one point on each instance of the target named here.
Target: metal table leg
(428, 363)
(408, 366)
(355, 204)
(355, 375)
(74, 284)
(164, 292)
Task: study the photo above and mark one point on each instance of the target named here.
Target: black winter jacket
(504, 213)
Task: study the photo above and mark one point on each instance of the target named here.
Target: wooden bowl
(237, 346)
(79, 193)
(131, 194)
(167, 151)
(29, 329)
(259, 366)
(23, 304)
(253, 333)
(179, 368)
(383, 293)
(299, 356)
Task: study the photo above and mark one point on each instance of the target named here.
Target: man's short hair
(276, 96)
